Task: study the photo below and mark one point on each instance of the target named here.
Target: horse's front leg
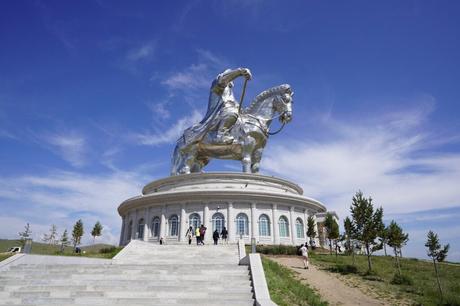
(247, 149)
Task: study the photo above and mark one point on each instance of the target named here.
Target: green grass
(4, 256)
(285, 289)
(96, 250)
(418, 283)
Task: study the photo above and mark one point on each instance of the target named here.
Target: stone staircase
(142, 274)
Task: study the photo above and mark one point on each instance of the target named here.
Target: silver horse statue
(248, 134)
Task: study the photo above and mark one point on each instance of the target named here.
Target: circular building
(269, 209)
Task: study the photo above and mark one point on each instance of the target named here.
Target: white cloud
(389, 159)
(197, 76)
(170, 135)
(70, 147)
(61, 198)
(143, 52)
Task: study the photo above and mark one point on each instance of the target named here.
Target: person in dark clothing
(224, 235)
(202, 233)
(215, 236)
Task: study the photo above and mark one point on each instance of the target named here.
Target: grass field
(422, 291)
(96, 250)
(285, 289)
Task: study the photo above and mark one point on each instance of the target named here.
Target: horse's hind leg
(247, 152)
(256, 157)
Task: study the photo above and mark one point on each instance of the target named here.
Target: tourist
(197, 235)
(224, 235)
(189, 235)
(161, 241)
(304, 251)
(215, 237)
(202, 233)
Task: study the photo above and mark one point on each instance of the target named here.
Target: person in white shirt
(304, 251)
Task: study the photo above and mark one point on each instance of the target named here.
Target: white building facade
(269, 209)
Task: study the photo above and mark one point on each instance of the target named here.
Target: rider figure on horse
(223, 108)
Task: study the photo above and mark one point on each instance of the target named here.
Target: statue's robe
(217, 98)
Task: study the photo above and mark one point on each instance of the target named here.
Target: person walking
(224, 235)
(189, 235)
(197, 235)
(215, 237)
(202, 233)
(304, 251)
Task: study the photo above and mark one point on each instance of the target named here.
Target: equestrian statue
(229, 131)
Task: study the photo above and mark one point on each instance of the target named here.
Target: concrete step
(143, 274)
(128, 301)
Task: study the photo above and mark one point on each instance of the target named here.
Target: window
(284, 226)
(242, 226)
(299, 228)
(218, 222)
(194, 221)
(173, 226)
(264, 225)
(140, 229)
(156, 227)
(130, 230)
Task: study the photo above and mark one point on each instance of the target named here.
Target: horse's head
(283, 104)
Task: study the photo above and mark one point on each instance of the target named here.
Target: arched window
(173, 226)
(156, 227)
(299, 228)
(218, 222)
(284, 226)
(130, 230)
(242, 226)
(140, 229)
(194, 221)
(264, 225)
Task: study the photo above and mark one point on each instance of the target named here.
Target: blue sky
(93, 95)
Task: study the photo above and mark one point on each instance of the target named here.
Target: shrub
(277, 249)
(401, 280)
(108, 250)
(346, 269)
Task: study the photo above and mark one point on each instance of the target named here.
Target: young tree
(367, 224)
(311, 233)
(396, 239)
(26, 234)
(437, 254)
(334, 235)
(97, 231)
(328, 225)
(77, 233)
(384, 239)
(348, 225)
(51, 238)
(64, 240)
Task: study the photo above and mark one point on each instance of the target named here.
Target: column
(134, 232)
(206, 222)
(149, 222)
(146, 226)
(292, 221)
(254, 233)
(163, 222)
(275, 228)
(122, 234)
(183, 226)
(230, 223)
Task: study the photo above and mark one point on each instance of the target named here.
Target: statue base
(269, 209)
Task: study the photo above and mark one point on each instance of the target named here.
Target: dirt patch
(338, 289)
